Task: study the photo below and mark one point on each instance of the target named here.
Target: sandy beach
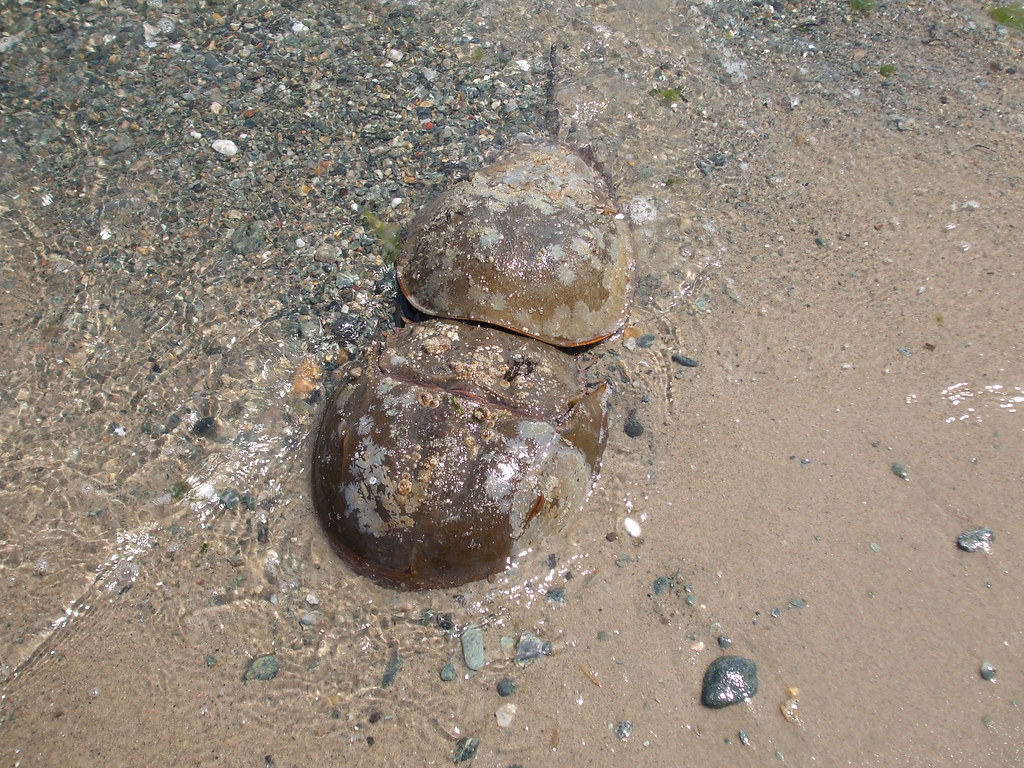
(199, 206)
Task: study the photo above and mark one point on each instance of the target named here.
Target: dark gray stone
(729, 680)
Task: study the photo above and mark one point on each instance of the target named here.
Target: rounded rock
(729, 680)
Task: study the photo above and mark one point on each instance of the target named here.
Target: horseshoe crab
(461, 445)
(464, 443)
(532, 243)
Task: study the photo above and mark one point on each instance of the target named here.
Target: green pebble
(391, 670)
(506, 687)
(988, 672)
(899, 470)
(261, 668)
(448, 672)
(724, 642)
(465, 749)
(473, 647)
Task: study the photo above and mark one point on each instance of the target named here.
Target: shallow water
(838, 250)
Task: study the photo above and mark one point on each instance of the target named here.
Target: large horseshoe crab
(465, 442)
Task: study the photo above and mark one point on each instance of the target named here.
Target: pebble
(310, 619)
(392, 669)
(729, 680)
(980, 539)
(465, 749)
(473, 647)
(204, 427)
(632, 527)
(505, 714)
(633, 427)
(261, 668)
(530, 649)
(225, 147)
(247, 239)
(448, 672)
(899, 470)
(683, 360)
(229, 499)
(987, 671)
(506, 687)
(624, 730)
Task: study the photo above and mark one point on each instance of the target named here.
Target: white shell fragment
(225, 147)
(632, 527)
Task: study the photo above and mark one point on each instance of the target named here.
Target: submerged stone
(261, 668)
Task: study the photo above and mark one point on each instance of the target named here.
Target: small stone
(473, 647)
(624, 730)
(683, 360)
(980, 539)
(988, 672)
(556, 595)
(225, 147)
(632, 527)
(312, 599)
(506, 687)
(310, 619)
(448, 672)
(261, 668)
(204, 427)
(899, 470)
(724, 641)
(229, 499)
(729, 680)
(633, 427)
(505, 714)
(530, 649)
(391, 670)
(247, 239)
(465, 749)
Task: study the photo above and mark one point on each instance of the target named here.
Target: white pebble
(226, 147)
(300, 29)
(505, 714)
(632, 527)
(523, 65)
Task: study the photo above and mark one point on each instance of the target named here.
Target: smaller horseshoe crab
(532, 243)
(464, 443)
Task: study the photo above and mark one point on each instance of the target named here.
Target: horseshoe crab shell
(531, 243)
(454, 453)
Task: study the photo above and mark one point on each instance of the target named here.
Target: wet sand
(835, 242)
